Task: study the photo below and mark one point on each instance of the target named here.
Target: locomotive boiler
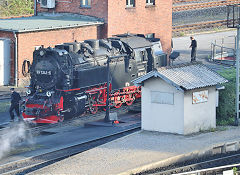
(71, 78)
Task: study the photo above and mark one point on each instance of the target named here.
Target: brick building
(69, 20)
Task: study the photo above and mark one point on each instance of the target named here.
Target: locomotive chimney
(93, 43)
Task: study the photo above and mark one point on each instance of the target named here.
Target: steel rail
(35, 129)
(53, 156)
(200, 25)
(195, 6)
(188, 1)
(192, 166)
(193, 1)
(220, 168)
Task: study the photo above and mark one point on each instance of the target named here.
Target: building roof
(47, 22)
(134, 40)
(185, 77)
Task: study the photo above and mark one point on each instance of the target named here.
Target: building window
(150, 2)
(130, 3)
(85, 3)
(162, 97)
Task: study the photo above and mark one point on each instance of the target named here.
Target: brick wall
(119, 19)
(142, 19)
(98, 8)
(28, 41)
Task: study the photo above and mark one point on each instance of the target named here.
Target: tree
(16, 7)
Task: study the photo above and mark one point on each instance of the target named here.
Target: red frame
(126, 95)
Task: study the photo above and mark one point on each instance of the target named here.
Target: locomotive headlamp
(48, 93)
(41, 53)
(28, 92)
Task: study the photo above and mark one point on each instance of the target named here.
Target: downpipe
(16, 59)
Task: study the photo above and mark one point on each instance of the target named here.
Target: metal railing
(223, 52)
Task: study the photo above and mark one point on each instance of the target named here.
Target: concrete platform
(58, 137)
(145, 150)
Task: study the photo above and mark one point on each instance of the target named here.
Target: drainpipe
(35, 7)
(16, 59)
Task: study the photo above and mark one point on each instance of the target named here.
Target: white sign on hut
(180, 99)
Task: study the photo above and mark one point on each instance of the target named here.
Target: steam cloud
(12, 136)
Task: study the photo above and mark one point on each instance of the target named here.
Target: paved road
(181, 44)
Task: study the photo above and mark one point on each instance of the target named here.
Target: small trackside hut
(180, 99)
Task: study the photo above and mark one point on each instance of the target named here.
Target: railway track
(36, 129)
(33, 163)
(201, 25)
(191, 1)
(211, 4)
(213, 166)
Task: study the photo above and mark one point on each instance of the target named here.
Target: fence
(224, 52)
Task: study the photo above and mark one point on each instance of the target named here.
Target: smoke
(11, 137)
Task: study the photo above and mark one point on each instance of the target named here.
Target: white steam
(11, 136)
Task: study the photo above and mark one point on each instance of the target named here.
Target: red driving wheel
(92, 108)
(117, 100)
(130, 99)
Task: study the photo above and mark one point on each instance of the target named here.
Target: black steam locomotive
(72, 78)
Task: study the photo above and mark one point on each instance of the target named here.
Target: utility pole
(107, 119)
(109, 58)
(237, 78)
(233, 21)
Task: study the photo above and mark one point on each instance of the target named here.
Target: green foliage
(235, 169)
(226, 107)
(181, 34)
(16, 7)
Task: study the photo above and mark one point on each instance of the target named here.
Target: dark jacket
(15, 98)
(194, 43)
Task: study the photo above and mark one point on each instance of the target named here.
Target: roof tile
(186, 77)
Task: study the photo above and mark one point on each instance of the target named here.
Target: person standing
(194, 49)
(15, 98)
